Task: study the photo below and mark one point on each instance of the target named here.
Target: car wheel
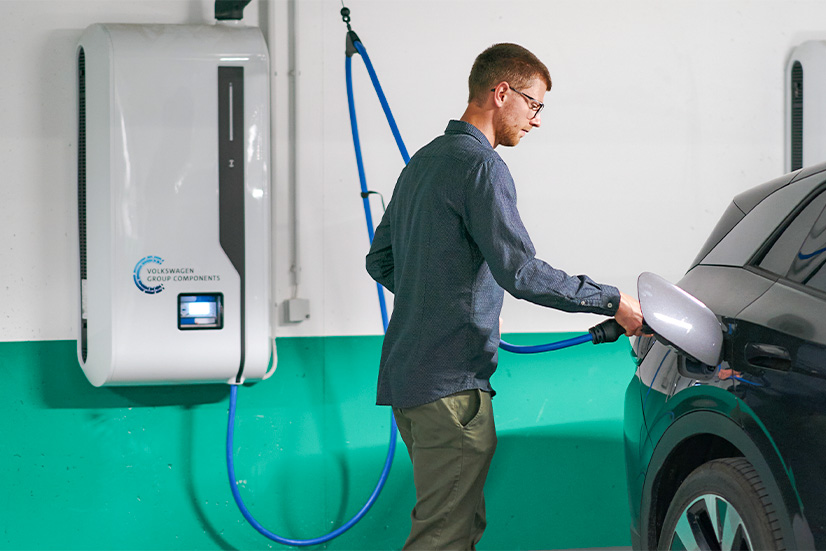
(721, 505)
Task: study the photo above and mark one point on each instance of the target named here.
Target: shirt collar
(462, 127)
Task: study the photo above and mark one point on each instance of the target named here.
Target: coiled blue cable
(287, 541)
(388, 462)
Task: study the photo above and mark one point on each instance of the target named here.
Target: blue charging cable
(533, 349)
(287, 541)
(353, 46)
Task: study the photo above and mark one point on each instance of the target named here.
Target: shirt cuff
(607, 304)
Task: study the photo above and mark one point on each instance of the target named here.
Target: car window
(782, 256)
(807, 265)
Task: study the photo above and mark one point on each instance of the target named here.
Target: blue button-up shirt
(450, 241)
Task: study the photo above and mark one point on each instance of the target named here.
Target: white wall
(660, 112)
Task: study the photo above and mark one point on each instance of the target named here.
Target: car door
(778, 348)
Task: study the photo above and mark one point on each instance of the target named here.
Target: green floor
(144, 468)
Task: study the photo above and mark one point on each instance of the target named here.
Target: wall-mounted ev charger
(173, 204)
(805, 131)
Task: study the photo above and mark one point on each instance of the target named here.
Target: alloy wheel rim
(710, 522)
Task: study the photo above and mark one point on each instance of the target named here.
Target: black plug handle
(607, 331)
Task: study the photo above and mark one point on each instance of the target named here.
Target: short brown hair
(504, 62)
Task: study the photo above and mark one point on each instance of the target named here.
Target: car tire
(722, 504)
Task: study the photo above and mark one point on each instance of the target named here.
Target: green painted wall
(144, 468)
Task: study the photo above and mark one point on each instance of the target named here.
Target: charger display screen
(200, 311)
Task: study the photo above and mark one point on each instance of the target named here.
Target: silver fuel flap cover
(680, 319)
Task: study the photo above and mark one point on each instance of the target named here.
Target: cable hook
(345, 15)
(352, 37)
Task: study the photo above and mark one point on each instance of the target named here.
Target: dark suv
(725, 419)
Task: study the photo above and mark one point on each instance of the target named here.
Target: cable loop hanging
(354, 43)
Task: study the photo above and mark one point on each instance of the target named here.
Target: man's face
(516, 118)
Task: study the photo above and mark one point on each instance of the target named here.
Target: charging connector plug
(607, 331)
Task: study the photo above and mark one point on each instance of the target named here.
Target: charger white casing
(173, 201)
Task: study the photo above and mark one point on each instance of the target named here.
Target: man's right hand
(629, 315)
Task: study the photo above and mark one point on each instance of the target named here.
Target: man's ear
(500, 93)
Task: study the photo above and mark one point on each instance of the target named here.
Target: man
(450, 241)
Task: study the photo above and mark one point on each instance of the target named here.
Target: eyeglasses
(534, 105)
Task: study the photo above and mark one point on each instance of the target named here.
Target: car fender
(716, 412)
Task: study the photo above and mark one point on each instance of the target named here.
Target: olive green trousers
(451, 443)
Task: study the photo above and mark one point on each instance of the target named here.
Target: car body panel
(749, 199)
(808, 171)
(787, 398)
(791, 311)
(735, 289)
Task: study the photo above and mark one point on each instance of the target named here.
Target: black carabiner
(352, 37)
